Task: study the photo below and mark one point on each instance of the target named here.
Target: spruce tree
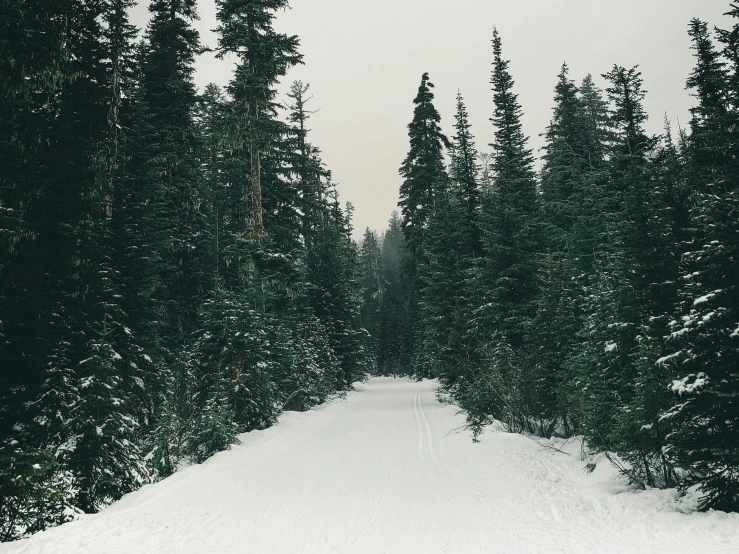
(393, 352)
(711, 116)
(705, 352)
(595, 140)
(307, 166)
(506, 283)
(423, 169)
(423, 175)
(443, 291)
(335, 294)
(571, 199)
(565, 183)
(509, 267)
(373, 288)
(94, 362)
(246, 30)
(144, 318)
(168, 180)
(454, 247)
(464, 172)
(162, 217)
(236, 350)
(33, 71)
(633, 297)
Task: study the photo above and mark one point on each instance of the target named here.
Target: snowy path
(381, 473)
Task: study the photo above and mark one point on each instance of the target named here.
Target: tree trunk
(256, 181)
(256, 194)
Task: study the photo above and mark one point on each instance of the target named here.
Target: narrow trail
(384, 472)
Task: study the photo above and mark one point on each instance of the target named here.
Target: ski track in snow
(383, 472)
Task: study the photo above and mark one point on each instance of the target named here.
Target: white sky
(364, 62)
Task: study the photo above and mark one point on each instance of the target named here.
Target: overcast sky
(364, 62)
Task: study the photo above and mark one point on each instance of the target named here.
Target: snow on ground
(384, 472)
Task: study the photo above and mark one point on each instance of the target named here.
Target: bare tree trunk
(110, 164)
(256, 183)
(256, 194)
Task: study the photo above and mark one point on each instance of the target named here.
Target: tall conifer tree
(508, 273)
(423, 175)
(246, 30)
(706, 337)
(506, 283)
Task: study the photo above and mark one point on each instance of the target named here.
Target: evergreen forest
(597, 296)
(176, 267)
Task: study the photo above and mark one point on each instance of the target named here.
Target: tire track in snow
(416, 403)
(429, 435)
(347, 481)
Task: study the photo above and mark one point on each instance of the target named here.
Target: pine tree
(423, 175)
(611, 328)
(705, 352)
(236, 351)
(373, 288)
(507, 279)
(564, 161)
(177, 413)
(36, 492)
(246, 30)
(422, 170)
(92, 360)
(443, 294)
(314, 373)
(506, 283)
(53, 120)
(393, 353)
(454, 245)
(215, 429)
(161, 216)
(145, 315)
(263, 193)
(464, 173)
(633, 297)
(596, 136)
(335, 294)
(566, 184)
(100, 446)
(171, 168)
(307, 166)
(710, 117)
(32, 69)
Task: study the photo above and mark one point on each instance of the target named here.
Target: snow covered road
(384, 472)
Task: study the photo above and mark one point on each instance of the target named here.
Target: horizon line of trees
(598, 297)
(175, 266)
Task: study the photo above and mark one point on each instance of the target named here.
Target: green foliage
(600, 299)
(215, 429)
(35, 491)
(335, 295)
(394, 352)
(423, 169)
(373, 288)
(506, 281)
(704, 357)
(143, 321)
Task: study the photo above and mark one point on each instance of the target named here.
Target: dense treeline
(175, 267)
(599, 297)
